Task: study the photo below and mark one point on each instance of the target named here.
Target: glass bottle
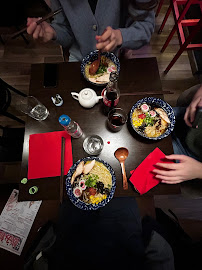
(111, 93)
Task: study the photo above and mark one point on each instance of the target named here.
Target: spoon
(121, 154)
(95, 65)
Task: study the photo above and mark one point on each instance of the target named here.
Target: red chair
(159, 7)
(186, 45)
(181, 22)
(174, 5)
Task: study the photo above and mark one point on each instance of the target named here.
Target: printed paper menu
(16, 221)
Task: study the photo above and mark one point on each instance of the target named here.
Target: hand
(191, 109)
(173, 173)
(43, 30)
(109, 40)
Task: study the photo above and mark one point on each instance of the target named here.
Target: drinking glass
(93, 145)
(34, 108)
(117, 117)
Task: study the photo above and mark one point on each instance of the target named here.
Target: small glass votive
(93, 145)
(117, 117)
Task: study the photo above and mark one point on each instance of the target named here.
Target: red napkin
(45, 154)
(142, 177)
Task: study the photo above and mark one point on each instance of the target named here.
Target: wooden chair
(180, 23)
(13, 15)
(11, 140)
(11, 144)
(5, 100)
(11, 147)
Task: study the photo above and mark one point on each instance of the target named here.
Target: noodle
(151, 126)
(105, 75)
(103, 173)
(95, 186)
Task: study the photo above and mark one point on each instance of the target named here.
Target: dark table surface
(135, 75)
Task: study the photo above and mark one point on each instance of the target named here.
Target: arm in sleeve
(64, 34)
(139, 27)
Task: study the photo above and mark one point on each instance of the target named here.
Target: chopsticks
(62, 168)
(50, 15)
(138, 93)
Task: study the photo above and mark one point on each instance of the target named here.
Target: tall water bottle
(70, 126)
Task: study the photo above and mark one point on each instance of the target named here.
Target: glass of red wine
(117, 117)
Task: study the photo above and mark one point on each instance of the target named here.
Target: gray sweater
(77, 26)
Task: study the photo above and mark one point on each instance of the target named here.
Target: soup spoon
(121, 154)
(95, 65)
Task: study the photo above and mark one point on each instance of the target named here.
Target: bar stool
(180, 22)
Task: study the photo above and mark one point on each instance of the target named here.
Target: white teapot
(87, 97)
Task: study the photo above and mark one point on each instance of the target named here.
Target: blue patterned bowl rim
(164, 105)
(92, 56)
(76, 201)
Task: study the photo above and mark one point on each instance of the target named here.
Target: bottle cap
(64, 120)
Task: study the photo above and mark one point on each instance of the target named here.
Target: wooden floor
(15, 62)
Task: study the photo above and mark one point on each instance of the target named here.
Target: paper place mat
(16, 221)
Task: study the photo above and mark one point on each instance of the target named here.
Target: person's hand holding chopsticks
(109, 40)
(43, 30)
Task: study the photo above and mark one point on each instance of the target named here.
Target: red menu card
(45, 154)
(142, 177)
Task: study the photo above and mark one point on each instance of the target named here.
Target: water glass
(117, 117)
(34, 108)
(93, 145)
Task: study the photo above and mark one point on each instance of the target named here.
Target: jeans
(179, 134)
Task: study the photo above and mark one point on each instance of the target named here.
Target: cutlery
(147, 93)
(121, 154)
(62, 168)
(50, 15)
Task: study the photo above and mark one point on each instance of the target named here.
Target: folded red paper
(45, 154)
(142, 177)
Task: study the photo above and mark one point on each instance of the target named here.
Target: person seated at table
(111, 237)
(106, 25)
(187, 141)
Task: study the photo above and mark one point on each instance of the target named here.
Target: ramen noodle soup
(150, 120)
(92, 183)
(103, 72)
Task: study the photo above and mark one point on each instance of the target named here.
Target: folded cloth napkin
(142, 177)
(45, 154)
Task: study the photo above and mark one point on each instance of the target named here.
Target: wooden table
(135, 75)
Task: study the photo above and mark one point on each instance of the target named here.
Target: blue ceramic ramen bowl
(76, 201)
(159, 103)
(92, 56)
